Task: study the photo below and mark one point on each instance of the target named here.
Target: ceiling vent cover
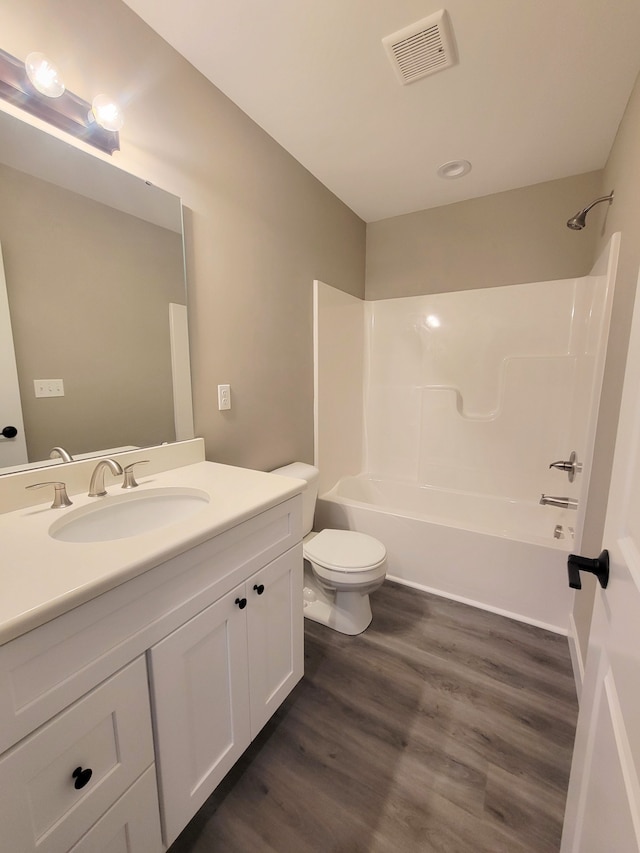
(421, 48)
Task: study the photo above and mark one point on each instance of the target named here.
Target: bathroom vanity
(135, 671)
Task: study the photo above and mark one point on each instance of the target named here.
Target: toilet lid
(345, 550)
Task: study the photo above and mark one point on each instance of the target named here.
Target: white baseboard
(555, 629)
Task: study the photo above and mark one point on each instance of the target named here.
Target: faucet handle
(129, 479)
(60, 498)
(570, 465)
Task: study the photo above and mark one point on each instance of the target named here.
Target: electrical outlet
(224, 397)
(48, 387)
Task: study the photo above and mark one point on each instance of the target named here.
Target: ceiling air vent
(421, 48)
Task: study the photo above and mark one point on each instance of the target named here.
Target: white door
(603, 802)
(13, 449)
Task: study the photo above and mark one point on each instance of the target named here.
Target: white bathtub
(493, 553)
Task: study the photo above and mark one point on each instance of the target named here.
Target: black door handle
(9, 432)
(598, 566)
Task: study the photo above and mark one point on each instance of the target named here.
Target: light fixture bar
(67, 112)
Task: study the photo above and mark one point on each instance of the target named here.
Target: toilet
(341, 567)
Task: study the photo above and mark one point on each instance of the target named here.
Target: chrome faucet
(62, 453)
(96, 486)
(563, 503)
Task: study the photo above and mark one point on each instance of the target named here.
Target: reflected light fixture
(44, 75)
(107, 113)
(37, 87)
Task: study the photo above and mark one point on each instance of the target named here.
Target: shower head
(577, 222)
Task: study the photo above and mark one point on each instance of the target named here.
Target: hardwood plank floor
(441, 728)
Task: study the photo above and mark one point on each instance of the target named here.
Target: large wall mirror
(93, 265)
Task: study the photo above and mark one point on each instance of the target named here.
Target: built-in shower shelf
(503, 394)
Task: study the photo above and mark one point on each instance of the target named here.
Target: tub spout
(563, 503)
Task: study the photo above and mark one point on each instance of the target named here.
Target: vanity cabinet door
(276, 634)
(132, 825)
(200, 690)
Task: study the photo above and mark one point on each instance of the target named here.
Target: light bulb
(107, 113)
(44, 75)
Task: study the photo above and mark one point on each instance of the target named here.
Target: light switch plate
(49, 387)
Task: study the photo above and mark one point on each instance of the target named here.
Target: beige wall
(506, 238)
(340, 342)
(83, 278)
(259, 227)
(622, 173)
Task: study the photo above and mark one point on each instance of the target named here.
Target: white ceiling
(537, 94)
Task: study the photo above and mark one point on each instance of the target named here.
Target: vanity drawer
(48, 668)
(107, 732)
(132, 825)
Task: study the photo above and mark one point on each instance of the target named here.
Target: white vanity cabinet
(156, 687)
(56, 783)
(219, 678)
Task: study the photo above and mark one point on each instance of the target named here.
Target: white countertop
(41, 577)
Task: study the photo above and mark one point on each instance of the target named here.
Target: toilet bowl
(341, 567)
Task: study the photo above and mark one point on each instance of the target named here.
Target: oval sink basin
(128, 515)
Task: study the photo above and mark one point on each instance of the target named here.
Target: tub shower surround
(479, 391)
(468, 398)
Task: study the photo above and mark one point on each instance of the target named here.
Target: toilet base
(346, 612)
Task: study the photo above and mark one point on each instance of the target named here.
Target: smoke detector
(421, 48)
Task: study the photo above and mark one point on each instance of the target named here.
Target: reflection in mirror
(93, 260)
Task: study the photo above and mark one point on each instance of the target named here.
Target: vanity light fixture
(107, 113)
(36, 87)
(44, 75)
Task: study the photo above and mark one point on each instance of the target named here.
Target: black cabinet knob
(598, 566)
(81, 776)
(9, 432)
(241, 602)
(259, 588)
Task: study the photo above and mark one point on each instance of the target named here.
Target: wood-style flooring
(441, 728)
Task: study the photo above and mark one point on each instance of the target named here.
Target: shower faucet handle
(570, 465)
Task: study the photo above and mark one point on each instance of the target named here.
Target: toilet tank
(302, 471)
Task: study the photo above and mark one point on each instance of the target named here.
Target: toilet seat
(345, 551)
